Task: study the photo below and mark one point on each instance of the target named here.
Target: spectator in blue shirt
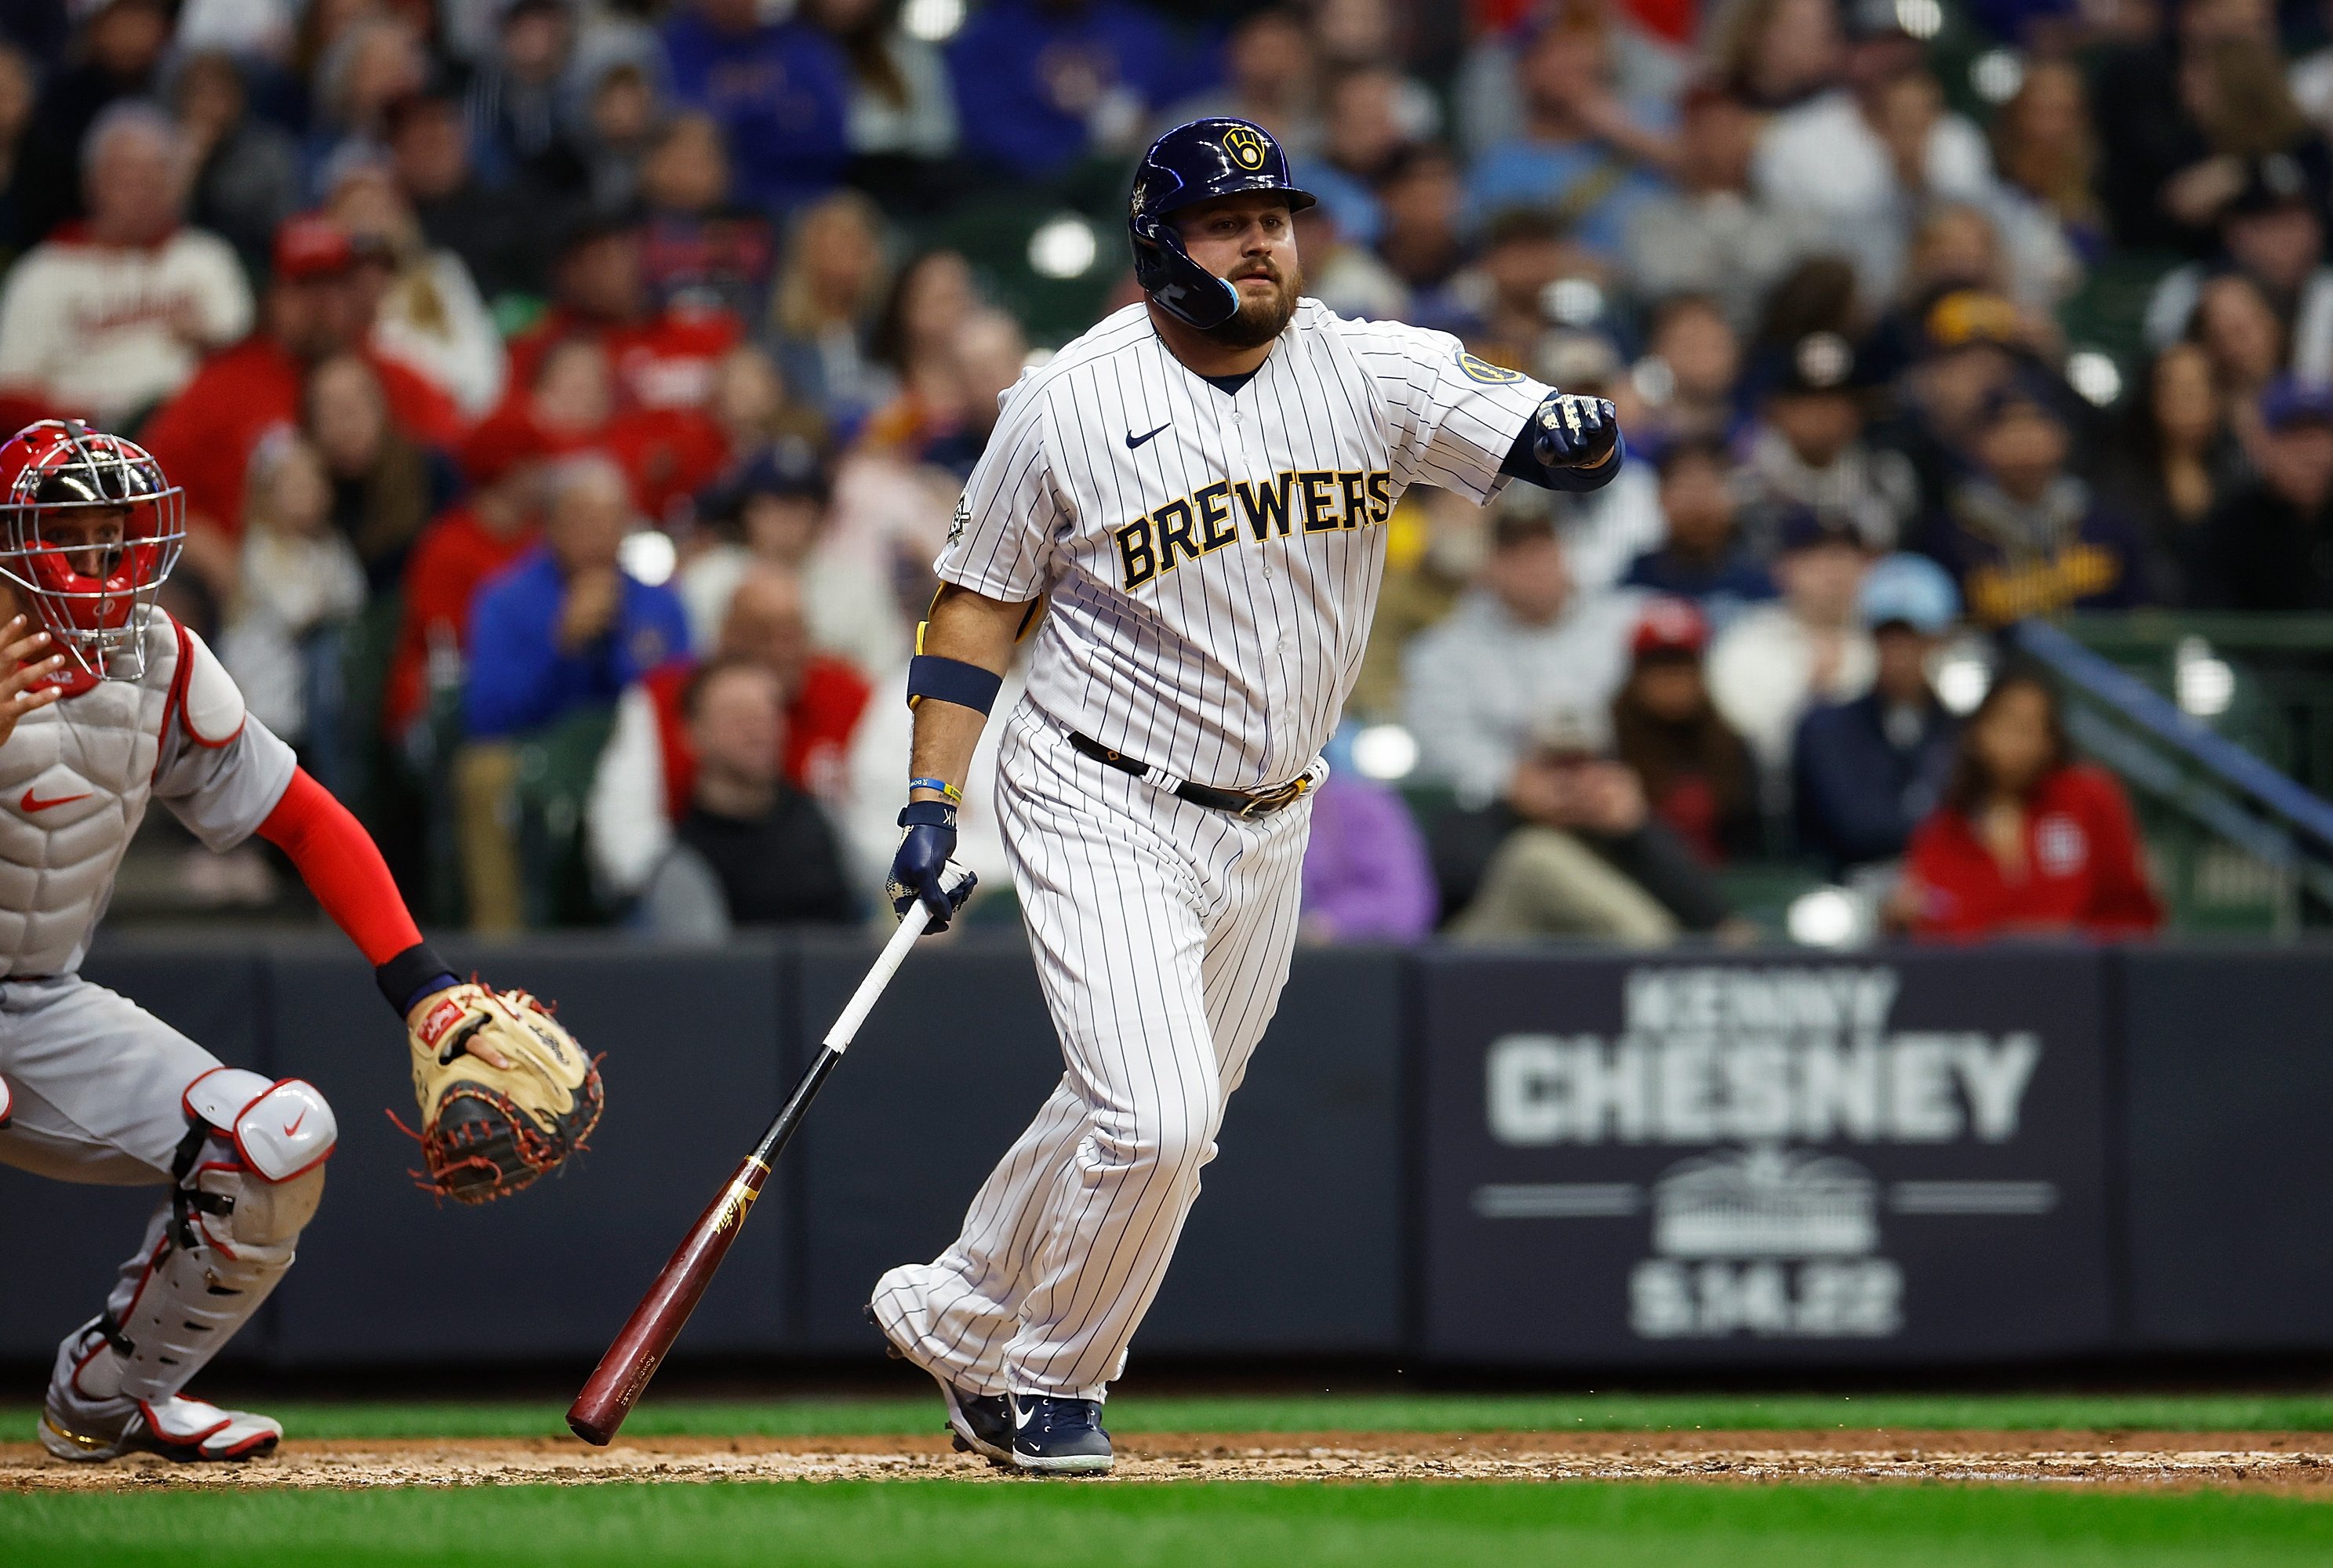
(780, 93)
(1701, 559)
(1584, 156)
(1040, 83)
(566, 626)
(1868, 771)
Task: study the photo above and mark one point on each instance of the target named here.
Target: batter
(1199, 488)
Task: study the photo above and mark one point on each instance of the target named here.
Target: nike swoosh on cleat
(31, 802)
(1021, 1417)
(1133, 441)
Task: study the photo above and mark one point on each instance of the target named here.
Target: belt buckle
(1262, 805)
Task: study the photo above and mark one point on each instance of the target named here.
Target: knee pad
(248, 1177)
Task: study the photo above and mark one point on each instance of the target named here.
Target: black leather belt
(1262, 804)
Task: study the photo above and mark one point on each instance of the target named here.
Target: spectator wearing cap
(1862, 159)
(462, 547)
(2024, 537)
(112, 313)
(663, 355)
(1521, 644)
(1865, 773)
(780, 91)
(1701, 560)
(246, 169)
(646, 774)
(1699, 776)
(1585, 156)
(1583, 855)
(1711, 235)
(1040, 83)
(119, 50)
(749, 849)
(1778, 659)
(314, 309)
(780, 512)
(1970, 343)
(2271, 541)
(1808, 449)
(2272, 231)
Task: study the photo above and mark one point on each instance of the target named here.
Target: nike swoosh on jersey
(1133, 441)
(31, 802)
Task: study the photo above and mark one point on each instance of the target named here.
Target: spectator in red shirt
(462, 547)
(2027, 839)
(572, 398)
(206, 435)
(664, 356)
(1697, 772)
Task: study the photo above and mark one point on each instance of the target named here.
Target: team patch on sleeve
(1481, 370)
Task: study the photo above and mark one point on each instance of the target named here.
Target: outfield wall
(1550, 1159)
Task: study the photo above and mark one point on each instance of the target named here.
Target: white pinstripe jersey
(1214, 559)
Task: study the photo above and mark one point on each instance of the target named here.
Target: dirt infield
(2283, 1461)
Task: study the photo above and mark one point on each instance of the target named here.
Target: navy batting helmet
(1190, 164)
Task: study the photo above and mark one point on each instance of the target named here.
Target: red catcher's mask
(89, 529)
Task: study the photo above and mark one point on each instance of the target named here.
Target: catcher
(105, 702)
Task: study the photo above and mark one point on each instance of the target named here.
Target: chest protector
(74, 781)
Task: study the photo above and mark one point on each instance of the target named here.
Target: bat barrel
(615, 1385)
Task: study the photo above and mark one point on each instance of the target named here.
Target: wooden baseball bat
(615, 1385)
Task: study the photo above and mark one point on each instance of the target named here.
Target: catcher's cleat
(979, 1423)
(183, 1430)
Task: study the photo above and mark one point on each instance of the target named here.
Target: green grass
(873, 1525)
(1136, 1412)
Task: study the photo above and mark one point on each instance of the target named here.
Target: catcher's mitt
(485, 1130)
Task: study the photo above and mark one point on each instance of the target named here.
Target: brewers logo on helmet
(1195, 163)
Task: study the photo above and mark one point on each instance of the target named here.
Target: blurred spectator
(902, 104)
(514, 102)
(830, 288)
(120, 47)
(663, 355)
(2272, 231)
(1366, 874)
(1778, 660)
(1520, 645)
(1040, 83)
(1366, 132)
(1710, 236)
(1584, 156)
(701, 253)
(1863, 157)
(2239, 330)
(756, 410)
(1270, 78)
(18, 92)
(377, 60)
(112, 315)
(462, 548)
(914, 338)
(619, 86)
(246, 169)
(1586, 856)
(1807, 453)
(1772, 54)
(566, 626)
(2027, 839)
(2023, 536)
(1605, 528)
(780, 90)
(1694, 358)
(749, 850)
(1340, 271)
(384, 488)
(2273, 539)
(1700, 559)
(779, 512)
(647, 773)
(1865, 773)
(1970, 344)
(2177, 461)
(500, 235)
(314, 310)
(987, 353)
(300, 582)
(2047, 154)
(1498, 300)
(426, 313)
(1421, 199)
(252, 29)
(1697, 775)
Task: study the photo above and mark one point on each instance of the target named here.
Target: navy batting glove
(919, 871)
(1575, 432)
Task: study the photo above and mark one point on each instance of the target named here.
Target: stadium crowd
(571, 389)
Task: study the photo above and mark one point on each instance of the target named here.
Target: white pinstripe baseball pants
(1162, 932)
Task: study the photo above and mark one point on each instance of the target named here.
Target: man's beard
(1259, 322)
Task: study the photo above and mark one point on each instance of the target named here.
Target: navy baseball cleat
(1059, 1436)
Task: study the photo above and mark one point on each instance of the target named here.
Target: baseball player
(1199, 486)
(105, 704)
